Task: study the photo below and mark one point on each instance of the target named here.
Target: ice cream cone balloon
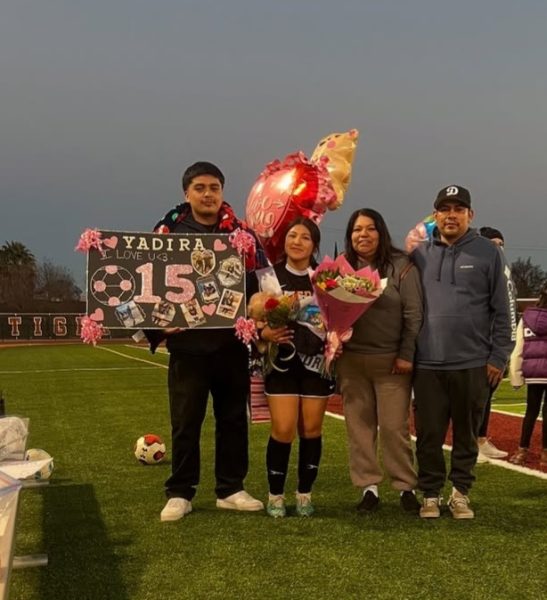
(337, 150)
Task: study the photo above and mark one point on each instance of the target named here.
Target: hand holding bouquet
(274, 314)
(343, 295)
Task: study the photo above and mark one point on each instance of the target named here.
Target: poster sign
(152, 281)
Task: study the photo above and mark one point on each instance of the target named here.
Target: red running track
(504, 432)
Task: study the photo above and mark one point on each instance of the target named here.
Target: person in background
(375, 369)
(487, 449)
(297, 392)
(529, 366)
(204, 361)
(462, 349)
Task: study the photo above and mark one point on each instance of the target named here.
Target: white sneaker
(175, 509)
(488, 450)
(240, 501)
(481, 458)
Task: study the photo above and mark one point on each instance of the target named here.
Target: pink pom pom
(245, 244)
(242, 241)
(90, 238)
(92, 331)
(245, 330)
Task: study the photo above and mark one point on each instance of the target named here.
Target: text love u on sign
(152, 281)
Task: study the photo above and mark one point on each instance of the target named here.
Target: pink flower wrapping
(341, 306)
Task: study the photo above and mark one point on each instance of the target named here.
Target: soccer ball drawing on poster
(150, 449)
(39, 454)
(112, 285)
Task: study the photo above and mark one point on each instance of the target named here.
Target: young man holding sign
(204, 361)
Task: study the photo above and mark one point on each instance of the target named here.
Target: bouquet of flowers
(275, 311)
(343, 295)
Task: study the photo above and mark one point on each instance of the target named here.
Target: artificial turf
(98, 520)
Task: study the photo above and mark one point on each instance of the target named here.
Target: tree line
(24, 280)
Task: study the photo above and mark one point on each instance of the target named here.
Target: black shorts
(297, 381)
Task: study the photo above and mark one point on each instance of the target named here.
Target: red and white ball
(150, 449)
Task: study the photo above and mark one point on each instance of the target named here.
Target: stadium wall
(36, 326)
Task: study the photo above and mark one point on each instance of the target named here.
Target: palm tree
(16, 254)
(17, 274)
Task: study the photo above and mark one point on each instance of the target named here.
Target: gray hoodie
(467, 319)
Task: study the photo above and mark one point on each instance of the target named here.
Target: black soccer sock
(309, 455)
(277, 463)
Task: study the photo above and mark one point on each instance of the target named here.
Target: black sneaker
(409, 502)
(369, 503)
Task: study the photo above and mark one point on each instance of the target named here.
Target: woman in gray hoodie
(375, 369)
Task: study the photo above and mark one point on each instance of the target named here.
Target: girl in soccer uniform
(296, 390)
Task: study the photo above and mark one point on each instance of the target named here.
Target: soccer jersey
(308, 330)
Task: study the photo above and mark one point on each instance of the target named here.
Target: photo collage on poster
(153, 281)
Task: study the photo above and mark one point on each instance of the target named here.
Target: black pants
(440, 397)
(190, 379)
(483, 429)
(534, 395)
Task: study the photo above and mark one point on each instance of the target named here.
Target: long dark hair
(315, 235)
(386, 250)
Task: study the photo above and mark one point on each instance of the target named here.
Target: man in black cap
(462, 349)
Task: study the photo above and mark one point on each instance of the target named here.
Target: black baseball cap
(453, 193)
(491, 233)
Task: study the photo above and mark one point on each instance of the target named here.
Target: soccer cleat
(175, 509)
(431, 508)
(409, 502)
(276, 506)
(369, 503)
(459, 506)
(240, 501)
(304, 507)
(488, 450)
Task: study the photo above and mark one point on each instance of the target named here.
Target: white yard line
(157, 351)
(149, 362)
(498, 463)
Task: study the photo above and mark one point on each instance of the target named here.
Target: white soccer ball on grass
(150, 449)
(39, 454)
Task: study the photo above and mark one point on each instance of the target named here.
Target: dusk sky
(104, 103)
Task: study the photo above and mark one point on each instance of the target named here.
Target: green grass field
(99, 523)
(507, 399)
